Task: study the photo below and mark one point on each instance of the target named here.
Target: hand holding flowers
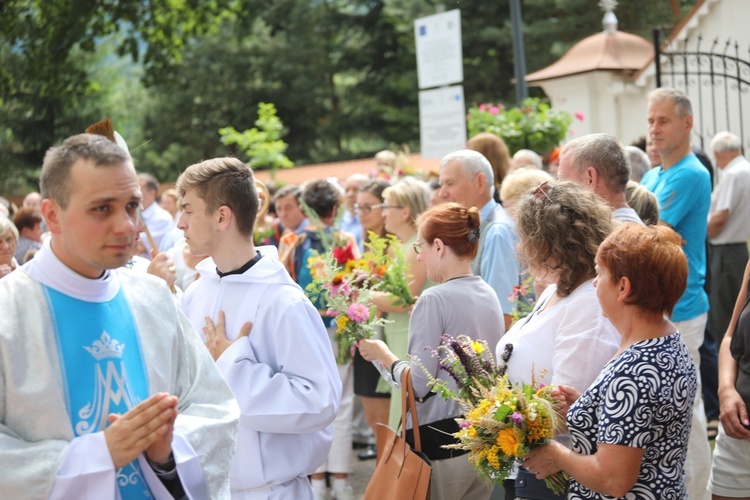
(502, 422)
(346, 293)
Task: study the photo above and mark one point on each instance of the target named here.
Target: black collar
(244, 268)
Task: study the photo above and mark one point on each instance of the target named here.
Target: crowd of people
(165, 344)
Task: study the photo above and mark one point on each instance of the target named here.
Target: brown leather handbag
(400, 472)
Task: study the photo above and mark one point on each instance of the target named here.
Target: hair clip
(473, 235)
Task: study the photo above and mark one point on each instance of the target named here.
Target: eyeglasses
(365, 209)
(417, 247)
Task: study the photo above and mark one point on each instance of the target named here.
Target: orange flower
(508, 442)
(289, 239)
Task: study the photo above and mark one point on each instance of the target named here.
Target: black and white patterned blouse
(642, 399)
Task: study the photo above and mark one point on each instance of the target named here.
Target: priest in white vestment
(105, 389)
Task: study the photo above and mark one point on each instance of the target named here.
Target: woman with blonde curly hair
(566, 339)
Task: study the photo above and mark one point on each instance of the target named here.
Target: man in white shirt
(728, 230)
(159, 222)
(283, 373)
(598, 162)
(106, 391)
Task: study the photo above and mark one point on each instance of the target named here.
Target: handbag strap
(409, 405)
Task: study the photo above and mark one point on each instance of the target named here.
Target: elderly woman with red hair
(630, 428)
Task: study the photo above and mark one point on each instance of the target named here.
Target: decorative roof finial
(610, 20)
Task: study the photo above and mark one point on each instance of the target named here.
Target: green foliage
(170, 73)
(262, 144)
(533, 125)
(55, 56)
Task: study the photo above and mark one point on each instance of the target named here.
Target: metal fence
(716, 77)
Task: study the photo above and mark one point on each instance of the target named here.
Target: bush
(533, 125)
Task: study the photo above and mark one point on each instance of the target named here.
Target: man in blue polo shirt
(683, 187)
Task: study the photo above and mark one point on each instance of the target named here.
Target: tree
(262, 144)
(46, 55)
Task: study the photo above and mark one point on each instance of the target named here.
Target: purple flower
(464, 424)
(516, 418)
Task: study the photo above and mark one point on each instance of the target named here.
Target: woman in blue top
(630, 428)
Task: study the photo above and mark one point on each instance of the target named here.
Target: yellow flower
(492, 458)
(471, 431)
(477, 346)
(539, 429)
(341, 323)
(508, 442)
(480, 411)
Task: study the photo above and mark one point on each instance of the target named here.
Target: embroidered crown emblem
(105, 347)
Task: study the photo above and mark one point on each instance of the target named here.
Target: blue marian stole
(103, 369)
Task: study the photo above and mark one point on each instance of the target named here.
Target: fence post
(656, 32)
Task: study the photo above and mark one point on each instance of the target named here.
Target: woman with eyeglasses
(402, 204)
(461, 303)
(376, 404)
(565, 339)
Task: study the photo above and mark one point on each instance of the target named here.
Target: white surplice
(40, 456)
(283, 375)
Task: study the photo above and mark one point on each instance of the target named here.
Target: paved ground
(361, 472)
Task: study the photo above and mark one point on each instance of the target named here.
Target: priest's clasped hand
(146, 428)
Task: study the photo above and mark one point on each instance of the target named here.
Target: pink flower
(572, 132)
(344, 289)
(494, 110)
(358, 313)
(464, 424)
(482, 107)
(579, 116)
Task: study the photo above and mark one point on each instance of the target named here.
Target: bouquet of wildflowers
(346, 296)
(389, 257)
(502, 421)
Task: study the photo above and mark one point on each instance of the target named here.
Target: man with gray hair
(466, 178)
(350, 222)
(728, 229)
(598, 162)
(526, 158)
(683, 187)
